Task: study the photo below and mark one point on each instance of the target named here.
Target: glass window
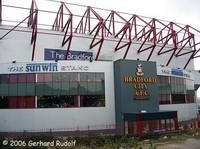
(93, 101)
(178, 98)
(30, 90)
(3, 102)
(91, 76)
(22, 78)
(177, 80)
(4, 78)
(39, 89)
(4, 89)
(40, 77)
(65, 76)
(30, 101)
(73, 90)
(83, 90)
(99, 77)
(55, 101)
(172, 80)
(74, 84)
(182, 81)
(56, 89)
(73, 76)
(179, 87)
(21, 102)
(190, 98)
(12, 102)
(70, 101)
(57, 77)
(44, 77)
(31, 78)
(47, 77)
(64, 88)
(164, 98)
(163, 123)
(21, 89)
(84, 76)
(47, 89)
(91, 88)
(164, 80)
(13, 78)
(12, 89)
(100, 88)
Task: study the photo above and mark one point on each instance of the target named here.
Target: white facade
(16, 47)
(65, 118)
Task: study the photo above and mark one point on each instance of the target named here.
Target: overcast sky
(181, 11)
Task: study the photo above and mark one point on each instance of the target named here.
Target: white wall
(37, 119)
(16, 46)
(185, 111)
(196, 77)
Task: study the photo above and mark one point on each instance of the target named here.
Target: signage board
(166, 71)
(57, 54)
(136, 86)
(177, 72)
(29, 67)
(14, 68)
(140, 83)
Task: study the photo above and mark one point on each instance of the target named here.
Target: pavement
(187, 144)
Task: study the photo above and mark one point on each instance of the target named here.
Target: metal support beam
(14, 27)
(58, 25)
(34, 34)
(32, 9)
(170, 37)
(124, 33)
(99, 30)
(33, 23)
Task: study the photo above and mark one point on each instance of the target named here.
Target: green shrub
(149, 136)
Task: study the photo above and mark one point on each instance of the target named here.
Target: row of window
(52, 77)
(176, 98)
(24, 87)
(171, 80)
(67, 83)
(189, 84)
(51, 101)
(174, 89)
(53, 88)
(175, 85)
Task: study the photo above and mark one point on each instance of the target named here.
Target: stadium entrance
(150, 122)
(137, 100)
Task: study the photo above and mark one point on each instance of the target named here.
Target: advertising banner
(57, 54)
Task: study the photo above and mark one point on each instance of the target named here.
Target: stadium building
(96, 70)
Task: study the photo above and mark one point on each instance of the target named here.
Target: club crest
(139, 71)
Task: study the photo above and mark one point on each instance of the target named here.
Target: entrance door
(129, 128)
(132, 127)
(139, 127)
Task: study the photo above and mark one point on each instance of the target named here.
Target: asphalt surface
(188, 144)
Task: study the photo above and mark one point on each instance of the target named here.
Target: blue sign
(41, 67)
(177, 72)
(57, 54)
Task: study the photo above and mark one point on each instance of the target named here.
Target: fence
(104, 129)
